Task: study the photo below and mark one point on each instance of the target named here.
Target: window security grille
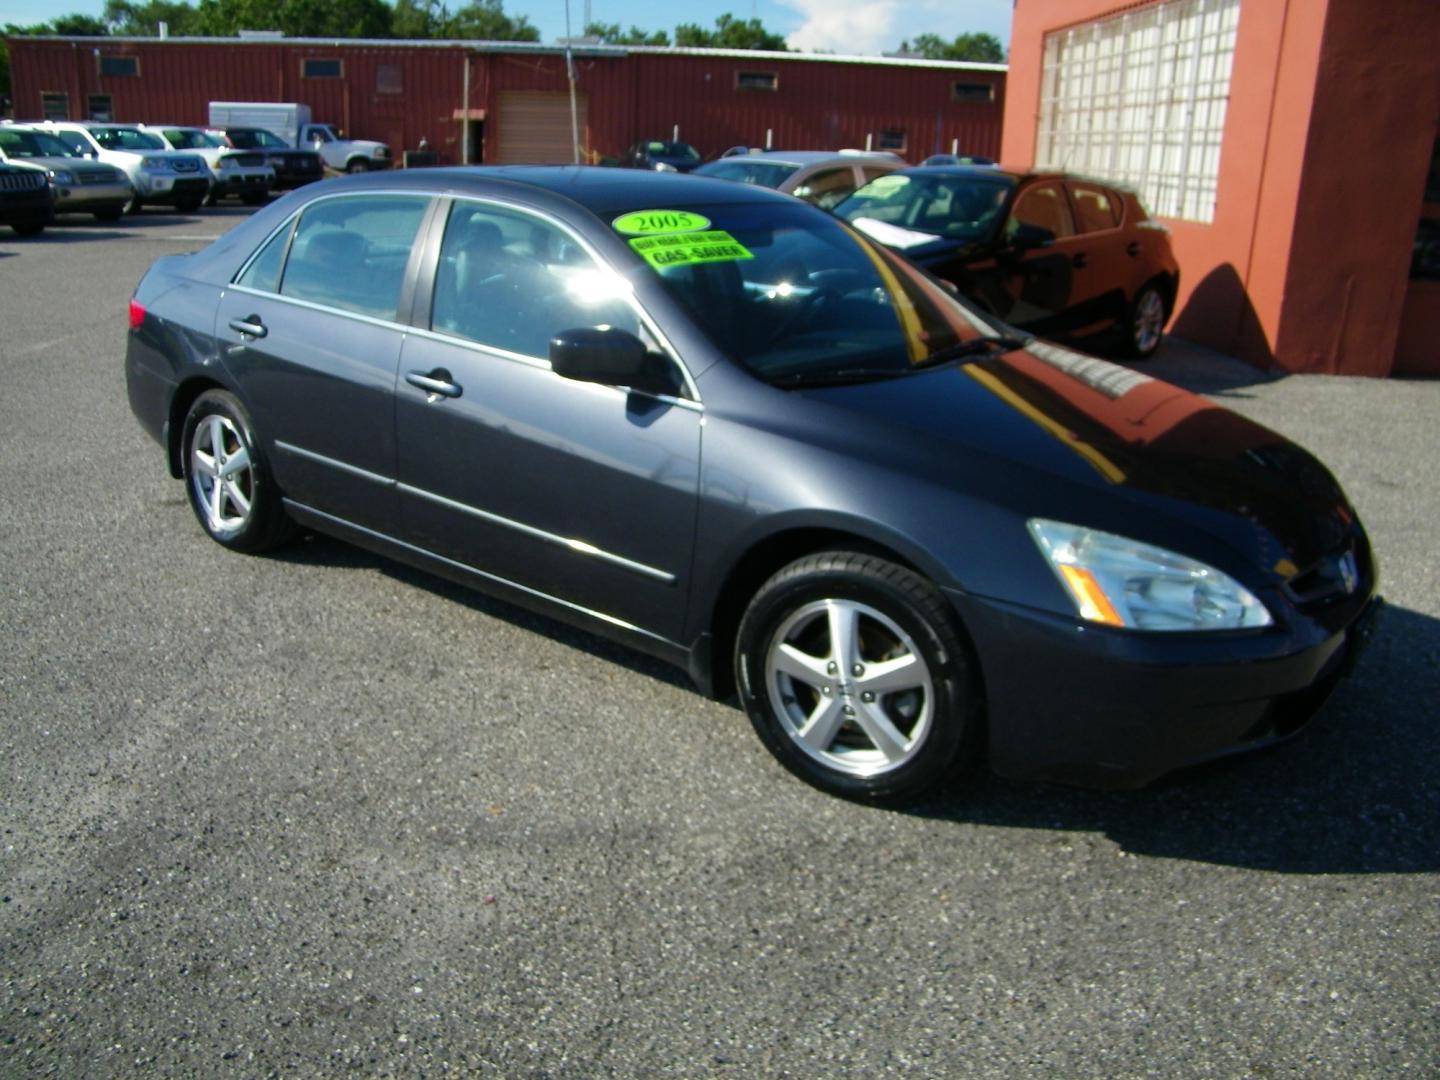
(1140, 98)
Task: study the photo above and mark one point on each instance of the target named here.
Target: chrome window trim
(310, 304)
(578, 546)
(632, 300)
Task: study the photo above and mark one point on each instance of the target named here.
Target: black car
(661, 155)
(718, 424)
(293, 166)
(1059, 255)
(27, 200)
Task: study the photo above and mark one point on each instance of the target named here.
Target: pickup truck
(291, 122)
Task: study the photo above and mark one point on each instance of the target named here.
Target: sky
(842, 26)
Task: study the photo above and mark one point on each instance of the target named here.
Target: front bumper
(1116, 709)
(253, 182)
(84, 198)
(161, 188)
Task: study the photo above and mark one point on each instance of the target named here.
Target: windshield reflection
(791, 294)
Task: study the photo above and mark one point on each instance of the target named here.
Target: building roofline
(530, 47)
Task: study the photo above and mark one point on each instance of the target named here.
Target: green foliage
(611, 34)
(483, 19)
(296, 18)
(977, 48)
(730, 33)
(78, 25)
(142, 18)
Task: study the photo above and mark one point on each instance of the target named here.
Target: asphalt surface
(317, 814)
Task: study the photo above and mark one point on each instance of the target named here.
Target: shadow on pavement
(1357, 792)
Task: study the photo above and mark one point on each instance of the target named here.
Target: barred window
(55, 105)
(389, 79)
(756, 80)
(1140, 97)
(972, 92)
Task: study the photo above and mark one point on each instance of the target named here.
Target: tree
(485, 20)
(610, 34)
(296, 18)
(730, 33)
(978, 48)
(142, 18)
(78, 25)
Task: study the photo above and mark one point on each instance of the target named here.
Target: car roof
(597, 189)
(806, 157)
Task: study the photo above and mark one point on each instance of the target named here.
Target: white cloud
(845, 26)
(875, 26)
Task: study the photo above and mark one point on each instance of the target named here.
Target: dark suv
(27, 200)
(661, 156)
(293, 166)
(1062, 256)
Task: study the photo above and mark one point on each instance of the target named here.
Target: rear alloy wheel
(226, 476)
(853, 674)
(358, 165)
(1146, 325)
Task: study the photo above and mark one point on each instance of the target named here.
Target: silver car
(823, 177)
(81, 186)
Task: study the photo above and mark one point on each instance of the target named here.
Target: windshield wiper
(975, 349)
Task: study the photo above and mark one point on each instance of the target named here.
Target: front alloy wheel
(854, 675)
(1147, 322)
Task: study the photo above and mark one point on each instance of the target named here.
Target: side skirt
(501, 588)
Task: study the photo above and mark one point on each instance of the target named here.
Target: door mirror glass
(1026, 236)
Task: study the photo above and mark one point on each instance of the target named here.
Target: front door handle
(250, 326)
(437, 383)
(1132, 248)
(1078, 260)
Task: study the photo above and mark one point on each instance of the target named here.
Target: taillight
(137, 314)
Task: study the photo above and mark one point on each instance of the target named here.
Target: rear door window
(351, 253)
(1043, 205)
(1096, 209)
(828, 187)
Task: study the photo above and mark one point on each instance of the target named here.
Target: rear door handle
(437, 383)
(1078, 260)
(250, 326)
(1132, 248)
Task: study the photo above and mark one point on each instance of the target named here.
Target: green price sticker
(687, 249)
(651, 222)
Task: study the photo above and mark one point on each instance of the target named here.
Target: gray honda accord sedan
(724, 427)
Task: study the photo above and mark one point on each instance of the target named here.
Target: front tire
(358, 165)
(853, 673)
(227, 478)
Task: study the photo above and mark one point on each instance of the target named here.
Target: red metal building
(514, 97)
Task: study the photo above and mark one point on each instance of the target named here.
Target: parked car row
(107, 170)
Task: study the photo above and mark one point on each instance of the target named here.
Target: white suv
(242, 173)
(159, 175)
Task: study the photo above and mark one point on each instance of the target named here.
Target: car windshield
(905, 209)
(28, 144)
(683, 151)
(769, 174)
(192, 139)
(128, 139)
(794, 295)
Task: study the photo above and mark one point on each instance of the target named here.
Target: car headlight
(662, 166)
(151, 164)
(1122, 582)
(62, 176)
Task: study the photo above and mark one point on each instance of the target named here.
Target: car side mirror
(1027, 236)
(611, 357)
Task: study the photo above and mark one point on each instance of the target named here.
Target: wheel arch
(750, 569)
(180, 402)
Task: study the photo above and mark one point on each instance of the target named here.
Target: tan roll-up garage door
(533, 127)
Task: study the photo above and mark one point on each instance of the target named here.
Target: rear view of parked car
(82, 186)
(661, 155)
(1062, 256)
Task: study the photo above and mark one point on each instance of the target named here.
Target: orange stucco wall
(1332, 114)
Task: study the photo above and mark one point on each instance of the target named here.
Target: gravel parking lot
(317, 813)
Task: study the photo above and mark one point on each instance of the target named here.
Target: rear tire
(189, 206)
(853, 672)
(227, 478)
(1144, 327)
(28, 228)
(358, 165)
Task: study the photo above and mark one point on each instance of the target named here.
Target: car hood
(1056, 433)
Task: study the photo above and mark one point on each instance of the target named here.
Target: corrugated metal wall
(399, 93)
